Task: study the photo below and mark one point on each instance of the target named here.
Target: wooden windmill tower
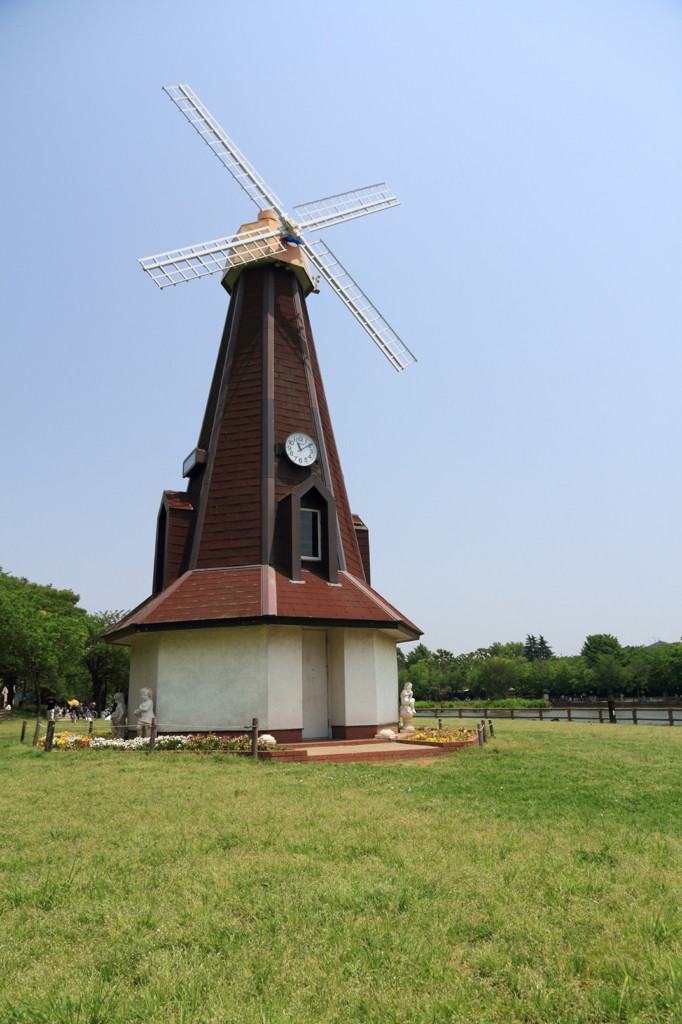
(262, 604)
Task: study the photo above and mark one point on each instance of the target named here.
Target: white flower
(171, 741)
(269, 740)
(100, 743)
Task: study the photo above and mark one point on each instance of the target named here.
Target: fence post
(601, 716)
(540, 710)
(49, 737)
(480, 735)
(568, 711)
(512, 712)
(152, 735)
(440, 723)
(254, 738)
(23, 731)
(634, 715)
(36, 734)
(671, 719)
(90, 725)
(491, 727)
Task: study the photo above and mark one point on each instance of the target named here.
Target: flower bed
(200, 743)
(444, 739)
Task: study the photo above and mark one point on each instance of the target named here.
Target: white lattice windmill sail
(194, 261)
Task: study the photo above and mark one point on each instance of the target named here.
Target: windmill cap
(276, 251)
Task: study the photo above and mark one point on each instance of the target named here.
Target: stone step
(397, 754)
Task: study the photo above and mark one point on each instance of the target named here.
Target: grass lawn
(537, 879)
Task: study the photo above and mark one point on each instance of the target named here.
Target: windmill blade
(224, 148)
(381, 333)
(211, 257)
(346, 206)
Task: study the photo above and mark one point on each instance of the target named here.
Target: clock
(300, 449)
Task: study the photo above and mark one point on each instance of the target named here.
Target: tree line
(529, 668)
(50, 646)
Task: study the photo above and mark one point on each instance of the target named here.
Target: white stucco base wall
(367, 670)
(336, 669)
(284, 704)
(143, 670)
(220, 679)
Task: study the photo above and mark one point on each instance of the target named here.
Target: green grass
(537, 879)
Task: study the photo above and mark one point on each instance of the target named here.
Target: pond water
(646, 715)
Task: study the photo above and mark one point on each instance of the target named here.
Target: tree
(604, 656)
(537, 649)
(443, 675)
(107, 665)
(418, 653)
(598, 644)
(444, 661)
(530, 647)
(608, 676)
(42, 634)
(560, 680)
(638, 671)
(512, 650)
(496, 677)
(419, 677)
(665, 669)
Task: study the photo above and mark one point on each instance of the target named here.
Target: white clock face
(300, 449)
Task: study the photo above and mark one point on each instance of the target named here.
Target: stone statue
(407, 711)
(117, 718)
(145, 712)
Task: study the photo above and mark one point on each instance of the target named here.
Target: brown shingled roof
(231, 596)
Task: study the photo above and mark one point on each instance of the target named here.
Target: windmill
(262, 604)
(171, 268)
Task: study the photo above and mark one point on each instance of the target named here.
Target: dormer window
(311, 536)
(307, 531)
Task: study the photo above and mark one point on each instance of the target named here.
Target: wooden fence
(635, 715)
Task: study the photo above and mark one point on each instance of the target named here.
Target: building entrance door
(315, 701)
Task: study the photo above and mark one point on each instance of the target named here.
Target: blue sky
(524, 475)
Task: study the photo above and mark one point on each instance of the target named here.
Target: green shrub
(507, 702)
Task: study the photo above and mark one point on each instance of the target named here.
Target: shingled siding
(362, 537)
(179, 523)
(230, 531)
(293, 410)
(228, 494)
(337, 484)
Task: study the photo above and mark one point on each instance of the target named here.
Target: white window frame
(317, 534)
